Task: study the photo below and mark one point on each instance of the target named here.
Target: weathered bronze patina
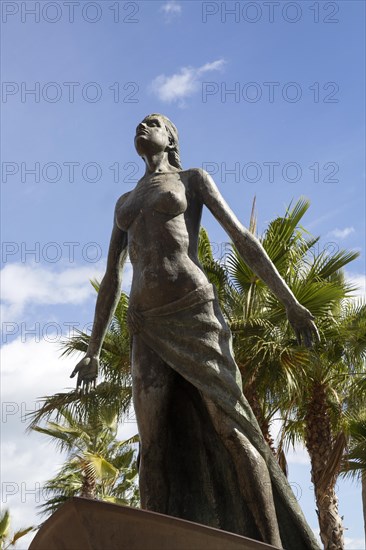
(203, 456)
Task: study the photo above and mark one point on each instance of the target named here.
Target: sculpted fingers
(86, 382)
(307, 335)
(87, 371)
(84, 386)
(298, 335)
(302, 322)
(308, 340)
(311, 334)
(84, 362)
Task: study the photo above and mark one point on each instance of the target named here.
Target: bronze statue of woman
(202, 455)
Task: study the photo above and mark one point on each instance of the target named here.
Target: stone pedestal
(83, 524)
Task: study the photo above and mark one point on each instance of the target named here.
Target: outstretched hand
(87, 371)
(303, 324)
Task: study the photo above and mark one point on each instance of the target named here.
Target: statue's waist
(201, 294)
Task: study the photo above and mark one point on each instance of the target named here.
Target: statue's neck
(157, 163)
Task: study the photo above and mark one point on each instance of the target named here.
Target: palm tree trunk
(319, 442)
(88, 489)
(251, 393)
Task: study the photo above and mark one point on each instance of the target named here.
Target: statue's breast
(159, 194)
(165, 193)
(169, 201)
(126, 211)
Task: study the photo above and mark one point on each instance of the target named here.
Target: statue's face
(151, 136)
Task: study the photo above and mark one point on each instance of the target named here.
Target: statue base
(94, 525)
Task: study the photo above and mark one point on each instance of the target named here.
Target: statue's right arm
(107, 300)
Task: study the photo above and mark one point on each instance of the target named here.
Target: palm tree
(98, 466)
(82, 423)
(266, 352)
(308, 390)
(329, 393)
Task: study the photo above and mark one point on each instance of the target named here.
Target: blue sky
(268, 98)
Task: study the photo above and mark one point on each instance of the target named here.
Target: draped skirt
(191, 336)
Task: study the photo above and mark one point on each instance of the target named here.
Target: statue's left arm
(254, 255)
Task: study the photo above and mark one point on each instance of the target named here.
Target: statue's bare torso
(162, 218)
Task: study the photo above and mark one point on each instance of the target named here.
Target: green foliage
(85, 425)
(354, 461)
(266, 351)
(114, 393)
(97, 466)
(7, 540)
(282, 380)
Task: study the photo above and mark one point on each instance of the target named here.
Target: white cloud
(358, 280)
(32, 368)
(26, 284)
(214, 66)
(184, 83)
(29, 370)
(341, 233)
(171, 10)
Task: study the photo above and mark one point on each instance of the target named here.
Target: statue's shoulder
(197, 176)
(196, 172)
(122, 199)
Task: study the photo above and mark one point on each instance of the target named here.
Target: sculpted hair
(173, 155)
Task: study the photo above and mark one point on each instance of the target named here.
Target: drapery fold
(191, 336)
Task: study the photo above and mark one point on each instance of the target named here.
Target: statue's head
(172, 133)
